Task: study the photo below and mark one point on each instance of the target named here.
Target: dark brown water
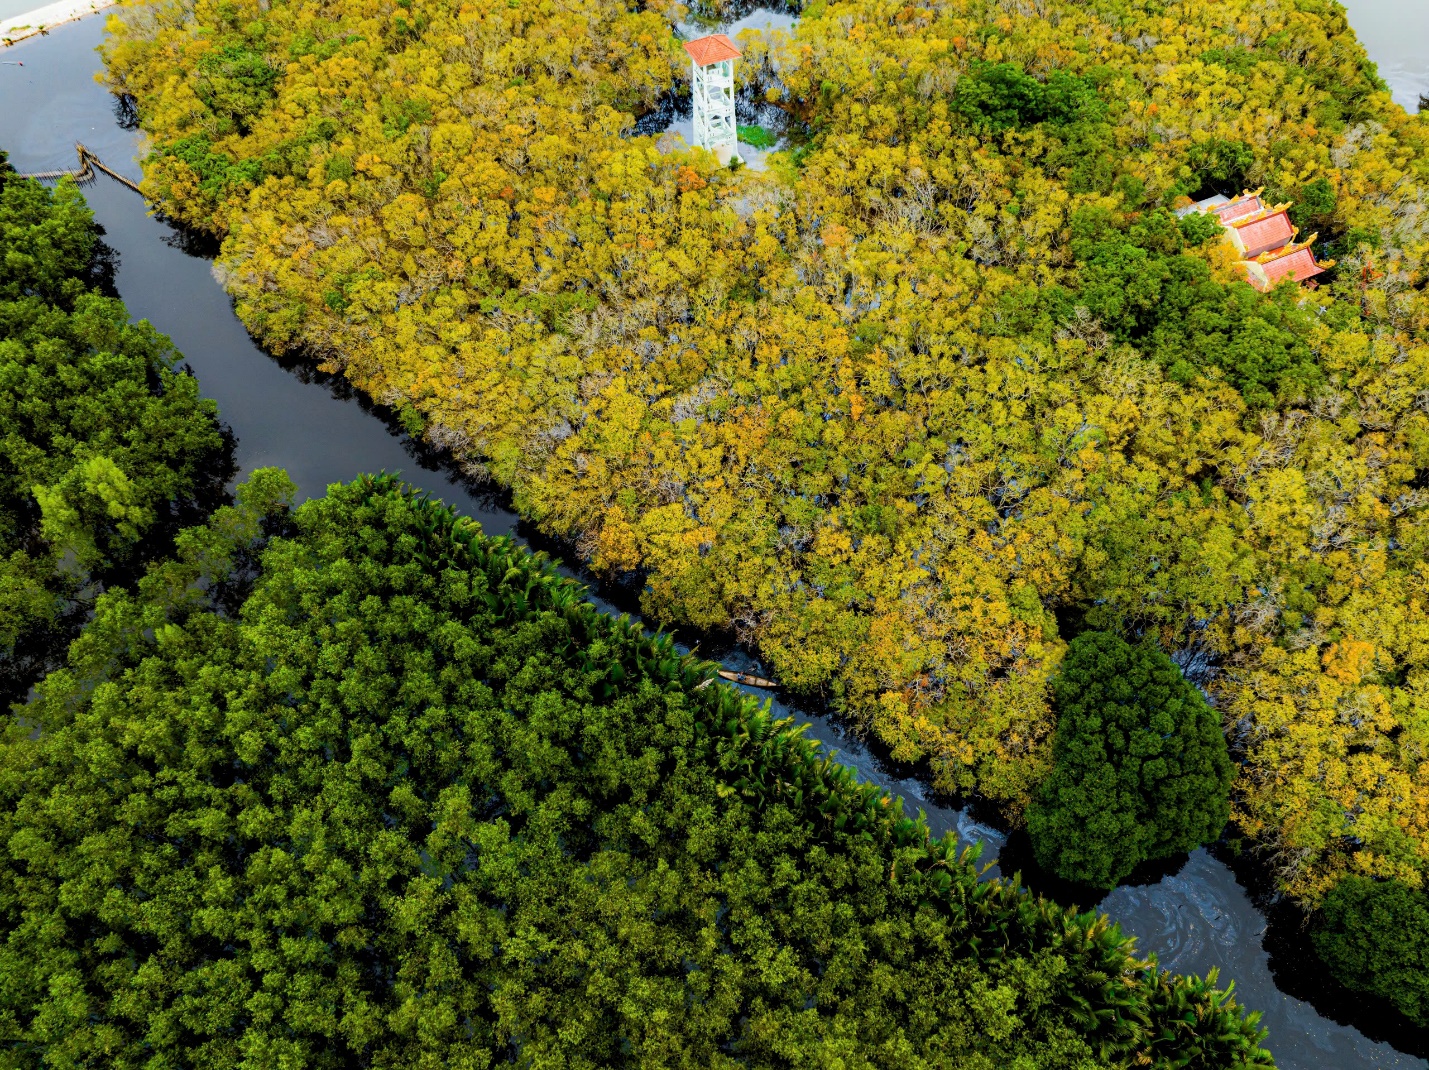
(1195, 919)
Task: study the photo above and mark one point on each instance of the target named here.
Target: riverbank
(17, 28)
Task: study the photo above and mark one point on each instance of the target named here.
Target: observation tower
(712, 83)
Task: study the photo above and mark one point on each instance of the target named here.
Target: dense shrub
(360, 787)
(1139, 771)
(757, 136)
(1374, 937)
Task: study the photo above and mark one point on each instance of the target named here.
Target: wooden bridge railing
(88, 164)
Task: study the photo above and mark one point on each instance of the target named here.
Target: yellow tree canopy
(947, 379)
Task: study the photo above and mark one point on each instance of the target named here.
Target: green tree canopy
(46, 240)
(1374, 937)
(356, 786)
(1142, 287)
(1002, 96)
(1140, 767)
(1219, 162)
(105, 446)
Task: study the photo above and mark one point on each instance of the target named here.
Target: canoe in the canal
(746, 679)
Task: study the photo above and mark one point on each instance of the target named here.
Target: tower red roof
(712, 49)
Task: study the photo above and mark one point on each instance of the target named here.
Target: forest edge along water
(1195, 918)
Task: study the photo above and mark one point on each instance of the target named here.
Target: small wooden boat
(747, 679)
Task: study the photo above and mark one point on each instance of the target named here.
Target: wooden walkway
(89, 163)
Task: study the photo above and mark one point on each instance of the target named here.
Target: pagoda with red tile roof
(1264, 237)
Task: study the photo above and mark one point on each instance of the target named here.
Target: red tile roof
(1265, 234)
(712, 49)
(1299, 265)
(1237, 208)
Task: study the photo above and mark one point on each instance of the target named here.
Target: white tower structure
(712, 79)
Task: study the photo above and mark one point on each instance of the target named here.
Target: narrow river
(1195, 919)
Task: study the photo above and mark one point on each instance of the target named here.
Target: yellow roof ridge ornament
(1258, 215)
(1288, 249)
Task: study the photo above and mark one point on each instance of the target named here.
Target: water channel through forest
(1198, 917)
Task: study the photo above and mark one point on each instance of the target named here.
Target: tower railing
(712, 90)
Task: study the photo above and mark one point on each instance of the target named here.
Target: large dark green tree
(1141, 288)
(1374, 937)
(105, 446)
(1140, 769)
(357, 787)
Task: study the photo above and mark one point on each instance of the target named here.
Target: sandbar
(14, 28)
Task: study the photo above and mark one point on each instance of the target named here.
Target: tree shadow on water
(1017, 856)
(103, 267)
(1298, 971)
(191, 242)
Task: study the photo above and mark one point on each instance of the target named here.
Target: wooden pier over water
(89, 163)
